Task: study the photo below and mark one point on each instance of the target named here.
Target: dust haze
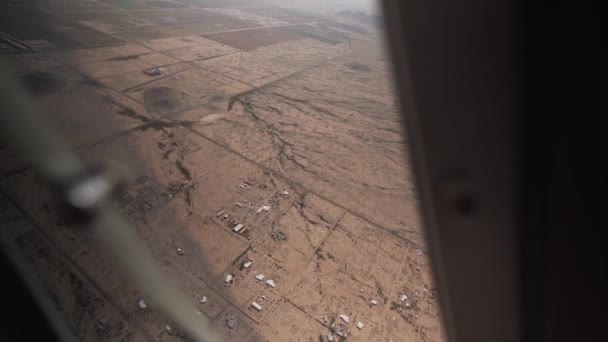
(269, 173)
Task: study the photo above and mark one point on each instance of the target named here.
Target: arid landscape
(262, 143)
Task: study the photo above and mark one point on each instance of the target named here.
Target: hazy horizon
(367, 6)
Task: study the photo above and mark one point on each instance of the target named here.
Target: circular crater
(163, 99)
(43, 83)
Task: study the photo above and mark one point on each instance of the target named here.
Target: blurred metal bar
(35, 305)
(457, 72)
(123, 244)
(42, 145)
(32, 134)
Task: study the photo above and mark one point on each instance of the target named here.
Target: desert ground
(281, 120)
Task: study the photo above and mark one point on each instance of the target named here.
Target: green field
(325, 35)
(127, 4)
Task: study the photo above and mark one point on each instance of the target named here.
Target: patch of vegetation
(165, 4)
(128, 112)
(126, 58)
(325, 35)
(351, 28)
(312, 16)
(320, 255)
(128, 4)
(183, 170)
(380, 291)
(358, 67)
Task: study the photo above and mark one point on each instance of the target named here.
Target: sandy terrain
(294, 136)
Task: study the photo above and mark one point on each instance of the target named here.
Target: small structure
(180, 251)
(259, 277)
(246, 185)
(263, 208)
(155, 71)
(344, 318)
(360, 325)
(238, 227)
(270, 283)
(256, 306)
(373, 302)
(228, 278)
(220, 213)
(142, 304)
(339, 327)
(247, 264)
(203, 300)
(330, 338)
(403, 298)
